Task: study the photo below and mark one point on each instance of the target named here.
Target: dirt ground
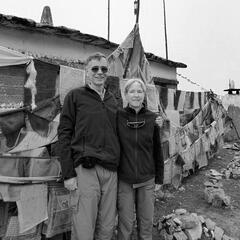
(191, 197)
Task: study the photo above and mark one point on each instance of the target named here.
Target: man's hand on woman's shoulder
(159, 121)
(71, 184)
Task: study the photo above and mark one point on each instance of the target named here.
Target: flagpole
(108, 20)
(137, 9)
(165, 29)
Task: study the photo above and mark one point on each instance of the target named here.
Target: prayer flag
(129, 60)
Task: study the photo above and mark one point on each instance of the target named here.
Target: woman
(141, 163)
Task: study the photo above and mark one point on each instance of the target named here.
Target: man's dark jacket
(141, 154)
(87, 128)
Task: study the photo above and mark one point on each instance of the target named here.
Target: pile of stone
(182, 225)
(233, 168)
(162, 195)
(214, 192)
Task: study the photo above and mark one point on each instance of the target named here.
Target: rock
(225, 237)
(180, 236)
(180, 211)
(178, 229)
(170, 226)
(201, 219)
(210, 224)
(227, 200)
(214, 194)
(217, 201)
(169, 216)
(208, 195)
(234, 175)
(218, 232)
(212, 234)
(177, 221)
(214, 184)
(181, 189)
(168, 195)
(227, 174)
(208, 184)
(194, 233)
(189, 221)
(206, 232)
(159, 194)
(159, 225)
(165, 236)
(214, 172)
(205, 238)
(217, 178)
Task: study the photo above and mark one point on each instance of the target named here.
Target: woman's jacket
(141, 155)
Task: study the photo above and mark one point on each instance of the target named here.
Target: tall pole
(165, 29)
(108, 20)
(137, 9)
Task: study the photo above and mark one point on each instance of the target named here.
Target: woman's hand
(71, 184)
(159, 121)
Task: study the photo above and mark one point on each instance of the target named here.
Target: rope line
(192, 82)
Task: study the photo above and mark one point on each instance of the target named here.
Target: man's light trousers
(94, 204)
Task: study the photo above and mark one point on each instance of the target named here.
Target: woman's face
(135, 95)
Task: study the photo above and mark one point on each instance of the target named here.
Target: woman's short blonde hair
(129, 83)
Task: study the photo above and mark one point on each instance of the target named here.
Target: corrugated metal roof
(76, 35)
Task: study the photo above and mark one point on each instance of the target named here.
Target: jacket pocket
(78, 147)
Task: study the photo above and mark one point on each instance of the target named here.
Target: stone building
(65, 46)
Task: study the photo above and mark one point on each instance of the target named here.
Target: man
(90, 153)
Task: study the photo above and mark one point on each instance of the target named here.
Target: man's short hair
(97, 56)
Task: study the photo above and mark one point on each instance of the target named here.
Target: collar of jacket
(131, 110)
(106, 95)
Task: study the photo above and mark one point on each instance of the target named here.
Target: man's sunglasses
(135, 124)
(96, 69)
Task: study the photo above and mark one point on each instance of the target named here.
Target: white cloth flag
(10, 57)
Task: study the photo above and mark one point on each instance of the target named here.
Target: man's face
(96, 71)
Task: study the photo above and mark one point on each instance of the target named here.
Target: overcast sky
(204, 34)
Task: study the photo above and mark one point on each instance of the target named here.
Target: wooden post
(137, 9)
(108, 20)
(165, 29)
